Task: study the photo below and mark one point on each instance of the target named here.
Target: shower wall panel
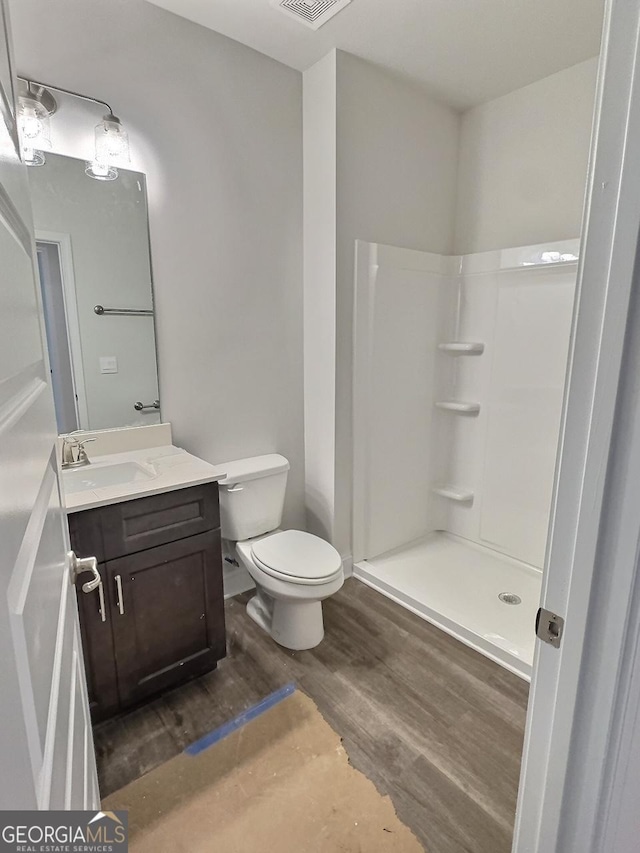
(524, 407)
(507, 454)
(404, 303)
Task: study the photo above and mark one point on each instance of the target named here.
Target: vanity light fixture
(37, 104)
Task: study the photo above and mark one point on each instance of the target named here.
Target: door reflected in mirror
(92, 242)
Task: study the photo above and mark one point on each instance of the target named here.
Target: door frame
(584, 698)
(65, 254)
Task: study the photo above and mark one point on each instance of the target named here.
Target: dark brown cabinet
(160, 618)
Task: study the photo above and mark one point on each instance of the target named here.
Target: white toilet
(293, 571)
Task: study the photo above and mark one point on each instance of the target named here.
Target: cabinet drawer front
(144, 523)
(167, 608)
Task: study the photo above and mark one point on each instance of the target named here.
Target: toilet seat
(297, 557)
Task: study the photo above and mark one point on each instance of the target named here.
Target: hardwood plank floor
(432, 723)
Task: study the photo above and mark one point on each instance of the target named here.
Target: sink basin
(99, 476)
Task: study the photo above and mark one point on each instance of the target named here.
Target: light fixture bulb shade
(30, 123)
(101, 171)
(112, 141)
(33, 124)
(31, 157)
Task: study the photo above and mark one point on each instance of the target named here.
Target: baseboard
(347, 565)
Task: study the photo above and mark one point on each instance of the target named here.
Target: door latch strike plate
(549, 627)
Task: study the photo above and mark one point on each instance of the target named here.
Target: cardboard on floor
(282, 782)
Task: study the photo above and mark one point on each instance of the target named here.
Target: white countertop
(159, 469)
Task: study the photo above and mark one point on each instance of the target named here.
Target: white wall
(523, 163)
(320, 234)
(411, 172)
(217, 128)
(518, 179)
(396, 160)
(397, 167)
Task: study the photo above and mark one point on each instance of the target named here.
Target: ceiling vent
(313, 13)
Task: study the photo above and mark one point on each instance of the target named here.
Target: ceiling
(465, 51)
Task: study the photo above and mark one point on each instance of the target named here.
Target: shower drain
(510, 598)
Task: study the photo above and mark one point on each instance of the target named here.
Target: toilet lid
(298, 555)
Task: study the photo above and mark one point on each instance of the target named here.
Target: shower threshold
(456, 585)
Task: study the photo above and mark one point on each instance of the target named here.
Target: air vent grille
(313, 13)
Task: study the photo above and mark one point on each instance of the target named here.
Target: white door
(578, 793)
(46, 743)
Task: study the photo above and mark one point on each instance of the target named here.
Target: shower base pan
(456, 585)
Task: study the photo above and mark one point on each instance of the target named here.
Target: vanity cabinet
(160, 619)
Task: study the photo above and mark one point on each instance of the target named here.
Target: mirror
(92, 241)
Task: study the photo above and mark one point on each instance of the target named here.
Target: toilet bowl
(293, 571)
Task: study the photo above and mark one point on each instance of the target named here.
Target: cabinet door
(167, 613)
(97, 646)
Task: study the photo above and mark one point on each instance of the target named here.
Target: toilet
(293, 571)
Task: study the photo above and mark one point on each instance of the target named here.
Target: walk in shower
(459, 370)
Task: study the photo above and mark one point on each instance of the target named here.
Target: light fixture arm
(64, 92)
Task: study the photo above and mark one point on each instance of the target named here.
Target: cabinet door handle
(119, 592)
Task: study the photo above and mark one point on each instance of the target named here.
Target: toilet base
(260, 608)
(294, 625)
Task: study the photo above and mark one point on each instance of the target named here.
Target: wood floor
(432, 723)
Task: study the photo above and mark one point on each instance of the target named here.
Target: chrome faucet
(74, 454)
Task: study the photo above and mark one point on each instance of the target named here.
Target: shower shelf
(459, 407)
(462, 348)
(454, 493)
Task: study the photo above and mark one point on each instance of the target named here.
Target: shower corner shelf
(462, 348)
(454, 493)
(459, 406)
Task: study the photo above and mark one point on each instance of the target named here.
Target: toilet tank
(252, 496)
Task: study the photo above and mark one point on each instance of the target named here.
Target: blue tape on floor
(241, 720)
